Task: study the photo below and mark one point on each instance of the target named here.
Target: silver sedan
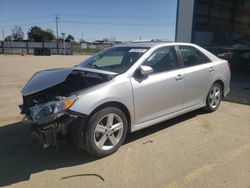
(121, 90)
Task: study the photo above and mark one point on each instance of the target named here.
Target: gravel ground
(194, 150)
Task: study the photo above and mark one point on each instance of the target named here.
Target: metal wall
(24, 47)
(184, 20)
(213, 22)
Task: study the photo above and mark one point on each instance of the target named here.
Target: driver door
(161, 92)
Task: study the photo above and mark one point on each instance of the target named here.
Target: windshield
(116, 59)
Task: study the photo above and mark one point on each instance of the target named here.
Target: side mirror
(145, 70)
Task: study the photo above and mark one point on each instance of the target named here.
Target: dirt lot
(194, 150)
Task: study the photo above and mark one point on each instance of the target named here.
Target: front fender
(116, 90)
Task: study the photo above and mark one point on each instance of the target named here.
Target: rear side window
(192, 56)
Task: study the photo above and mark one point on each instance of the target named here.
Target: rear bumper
(226, 91)
(227, 85)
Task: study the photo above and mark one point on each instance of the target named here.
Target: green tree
(49, 35)
(37, 34)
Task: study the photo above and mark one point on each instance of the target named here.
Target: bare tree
(17, 33)
(112, 39)
(106, 39)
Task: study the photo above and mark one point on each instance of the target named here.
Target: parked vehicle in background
(121, 90)
(240, 60)
(236, 55)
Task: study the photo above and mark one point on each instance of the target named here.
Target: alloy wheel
(214, 97)
(108, 131)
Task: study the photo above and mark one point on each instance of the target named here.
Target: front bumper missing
(52, 133)
(44, 136)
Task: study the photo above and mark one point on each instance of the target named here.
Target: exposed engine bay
(48, 96)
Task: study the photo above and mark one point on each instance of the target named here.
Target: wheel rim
(108, 131)
(214, 97)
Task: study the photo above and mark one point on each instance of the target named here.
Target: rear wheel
(106, 131)
(213, 98)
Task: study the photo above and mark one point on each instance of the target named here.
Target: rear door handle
(211, 69)
(179, 77)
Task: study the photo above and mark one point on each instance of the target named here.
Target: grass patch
(87, 51)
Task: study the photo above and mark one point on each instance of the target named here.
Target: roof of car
(142, 44)
(148, 44)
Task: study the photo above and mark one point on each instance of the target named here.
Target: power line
(87, 15)
(88, 23)
(116, 16)
(156, 20)
(24, 18)
(24, 24)
(116, 23)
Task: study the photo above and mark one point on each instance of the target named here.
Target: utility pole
(82, 36)
(140, 38)
(57, 18)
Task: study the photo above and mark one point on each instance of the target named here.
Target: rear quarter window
(191, 56)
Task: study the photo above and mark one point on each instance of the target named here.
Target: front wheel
(106, 131)
(213, 98)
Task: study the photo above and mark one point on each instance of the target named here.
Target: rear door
(161, 92)
(198, 73)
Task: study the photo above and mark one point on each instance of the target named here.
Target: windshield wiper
(93, 66)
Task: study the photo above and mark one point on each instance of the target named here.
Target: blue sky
(94, 19)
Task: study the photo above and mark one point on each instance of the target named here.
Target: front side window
(163, 59)
(116, 59)
(192, 56)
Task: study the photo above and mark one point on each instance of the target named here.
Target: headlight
(49, 111)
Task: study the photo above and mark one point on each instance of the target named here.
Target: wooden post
(43, 48)
(27, 47)
(3, 47)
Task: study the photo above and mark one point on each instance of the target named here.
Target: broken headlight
(51, 110)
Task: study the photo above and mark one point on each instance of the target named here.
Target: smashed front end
(47, 99)
(50, 121)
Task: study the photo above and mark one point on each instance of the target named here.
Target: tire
(214, 97)
(106, 131)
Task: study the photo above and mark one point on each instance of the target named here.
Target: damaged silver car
(120, 90)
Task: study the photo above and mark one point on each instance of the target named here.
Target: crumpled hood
(48, 78)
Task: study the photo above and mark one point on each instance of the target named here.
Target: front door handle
(179, 77)
(211, 69)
